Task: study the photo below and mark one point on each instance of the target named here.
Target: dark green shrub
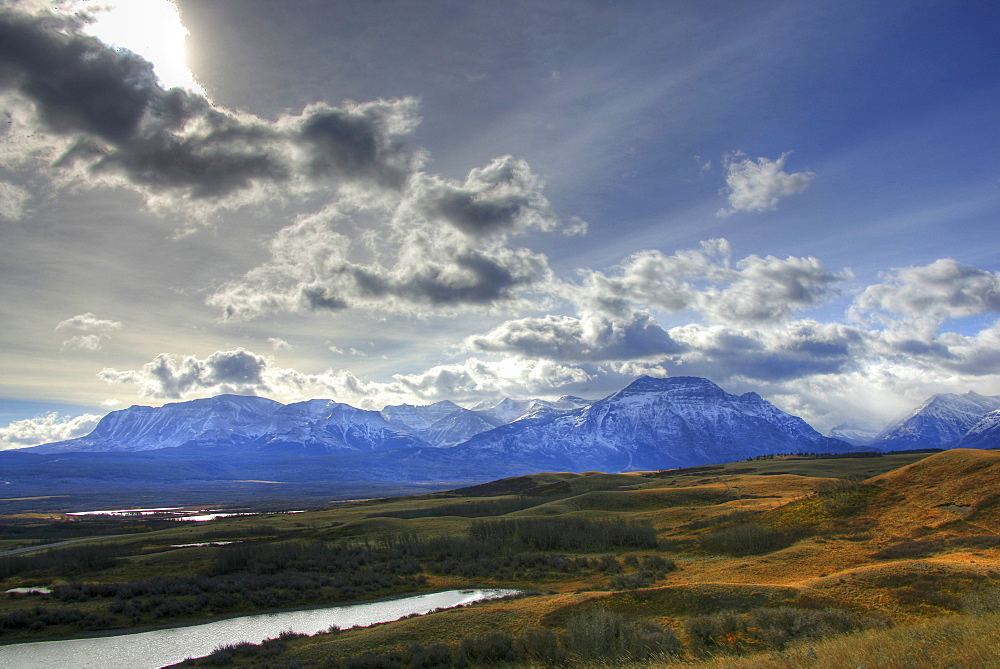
(492, 647)
(429, 657)
(743, 539)
(542, 645)
(639, 579)
(564, 533)
(658, 563)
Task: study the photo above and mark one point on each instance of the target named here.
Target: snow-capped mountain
(248, 422)
(937, 423)
(653, 424)
(441, 424)
(508, 411)
(858, 434)
(332, 427)
(984, 434)
(142, 428)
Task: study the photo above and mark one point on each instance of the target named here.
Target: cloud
(279, 344)
(502, 197)
(654, 280)
(394, 237)
(414, 265)
(171, 145)
(13, 201)
(78, 84)
(85, 342)
(794, 350)
(770, 289)
(929, 294)
(88, 322)
(471, 379)
(759, 185)
(237, 371)
(363, 140)
(94, 331)
(757, 290)
(46, 428)
(592, 337)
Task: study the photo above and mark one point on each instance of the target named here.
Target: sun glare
(150, 28)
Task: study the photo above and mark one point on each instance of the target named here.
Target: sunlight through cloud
(149, 28)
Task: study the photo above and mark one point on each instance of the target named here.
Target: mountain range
(651, 424)
(946, 420)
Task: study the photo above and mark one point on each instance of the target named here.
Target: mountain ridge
(650, 424)
(941, 421)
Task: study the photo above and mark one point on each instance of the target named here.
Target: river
(158, 648)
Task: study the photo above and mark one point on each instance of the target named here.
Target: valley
(703, 564)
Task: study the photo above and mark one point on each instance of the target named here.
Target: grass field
(785, 561)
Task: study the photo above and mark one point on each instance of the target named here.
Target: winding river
(158, 648)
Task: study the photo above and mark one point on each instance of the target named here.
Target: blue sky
(414, 201)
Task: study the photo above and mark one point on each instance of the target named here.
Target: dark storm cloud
(360, 140)
(79, 84)
(502, 197)
(176, 143)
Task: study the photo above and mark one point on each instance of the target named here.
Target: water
(150, 650)
(175, 513)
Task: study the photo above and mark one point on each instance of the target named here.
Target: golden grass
(831, 563)
(962, 641)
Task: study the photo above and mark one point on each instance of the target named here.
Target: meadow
(784, 561)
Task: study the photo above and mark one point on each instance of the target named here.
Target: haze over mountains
(651, 424)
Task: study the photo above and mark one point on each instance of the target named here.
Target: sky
(389, 202)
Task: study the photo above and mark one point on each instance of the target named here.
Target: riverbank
(193, 622)
(159, 648)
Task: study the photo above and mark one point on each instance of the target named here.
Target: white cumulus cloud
(46, 428)
(758, 185)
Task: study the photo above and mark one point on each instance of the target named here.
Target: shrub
(772, 628)
(564, 533)
(725, 631)
(542, 645)
(639, 579)
(429, 657)
(658, 563)
(920, 548)
(743, 539)
(603, 634)
(492, 647)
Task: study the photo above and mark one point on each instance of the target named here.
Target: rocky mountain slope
(984, 434)
(940, 422)
(653, 424)
(441, 424)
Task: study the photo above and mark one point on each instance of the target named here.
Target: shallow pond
(149, 650)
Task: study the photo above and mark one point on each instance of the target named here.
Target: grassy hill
(793, 559)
